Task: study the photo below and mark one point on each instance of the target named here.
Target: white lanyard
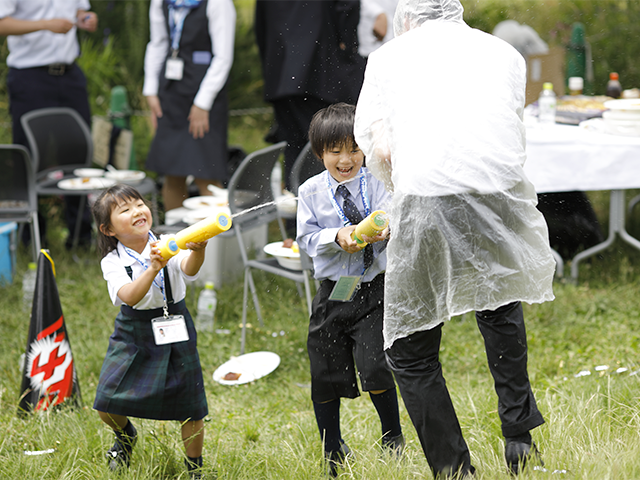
(158, 281)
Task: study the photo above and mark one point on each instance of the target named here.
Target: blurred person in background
(522, 37)
(309, 56)
(186, 68)
(43, 48)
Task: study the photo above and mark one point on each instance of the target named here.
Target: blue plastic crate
(7, 252)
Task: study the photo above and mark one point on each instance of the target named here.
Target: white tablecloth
(563, 158)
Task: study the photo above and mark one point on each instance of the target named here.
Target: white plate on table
(250, 366)
(286, 256)
(193, 216)
(130, 177)
(85, 183)
(218, 192)
(88, 172)
(195, 203)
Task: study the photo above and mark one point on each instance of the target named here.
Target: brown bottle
(614, 89)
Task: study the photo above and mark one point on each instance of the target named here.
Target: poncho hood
(411, 14)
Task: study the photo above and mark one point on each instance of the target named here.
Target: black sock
(328, 418)
(127, 432)
(386, 405)
(193, 463)
(126, 435)
(523, 438)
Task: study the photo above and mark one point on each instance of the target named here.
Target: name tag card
(345, 288)
(174, 69)
(171, 329)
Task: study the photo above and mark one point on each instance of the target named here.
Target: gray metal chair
(18, 199)
(59, 140)
(306, 166)
(252, 205)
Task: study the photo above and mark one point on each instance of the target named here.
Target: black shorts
(342, 334)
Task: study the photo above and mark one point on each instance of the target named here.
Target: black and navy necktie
(351, 212)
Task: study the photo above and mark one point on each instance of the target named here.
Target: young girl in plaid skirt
(152, 368)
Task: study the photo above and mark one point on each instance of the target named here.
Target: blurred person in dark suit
(310, 60)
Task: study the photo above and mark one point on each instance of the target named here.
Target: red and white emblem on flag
(50, 366)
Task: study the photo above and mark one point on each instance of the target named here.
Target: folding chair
(59, 139)
(18, 199)
(252, 204)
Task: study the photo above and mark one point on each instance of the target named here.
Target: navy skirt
(145, 380)
(175, 152)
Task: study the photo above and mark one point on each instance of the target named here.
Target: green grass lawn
(267, 430)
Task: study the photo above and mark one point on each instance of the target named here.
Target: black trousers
(415, 363)
(293, 116)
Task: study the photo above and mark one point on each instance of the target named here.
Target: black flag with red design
(48, 376)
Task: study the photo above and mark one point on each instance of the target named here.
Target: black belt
(57, 69)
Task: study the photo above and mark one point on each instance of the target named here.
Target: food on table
(581, 103)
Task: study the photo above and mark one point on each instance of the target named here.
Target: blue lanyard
(178, 11)
(176, 22)
(159, 280)
(338, 208)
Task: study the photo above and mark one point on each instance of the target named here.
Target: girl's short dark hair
(103, 207)
(332, 127)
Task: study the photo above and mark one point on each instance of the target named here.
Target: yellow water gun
(370, 226)
(198, 232)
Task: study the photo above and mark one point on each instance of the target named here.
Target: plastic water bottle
(276, 180)
(207, 302)
(547, 105)
(29, 286)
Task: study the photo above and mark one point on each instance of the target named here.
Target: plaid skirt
(145, 380)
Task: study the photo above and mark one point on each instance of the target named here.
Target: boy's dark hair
(102, 209)
(332, 127)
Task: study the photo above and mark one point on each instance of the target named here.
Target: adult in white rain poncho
(439, 118)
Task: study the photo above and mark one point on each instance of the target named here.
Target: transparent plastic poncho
(439, 119)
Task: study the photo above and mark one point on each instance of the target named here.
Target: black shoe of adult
(394, 445)
(335, 458)
(119, 455)
(519, 453)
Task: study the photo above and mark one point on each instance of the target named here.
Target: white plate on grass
(250, 366)
(195, 203)
(85, 183)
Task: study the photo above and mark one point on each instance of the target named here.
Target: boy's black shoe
(394, 445)
(517, 453)
(119, 455)
(335, 458)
